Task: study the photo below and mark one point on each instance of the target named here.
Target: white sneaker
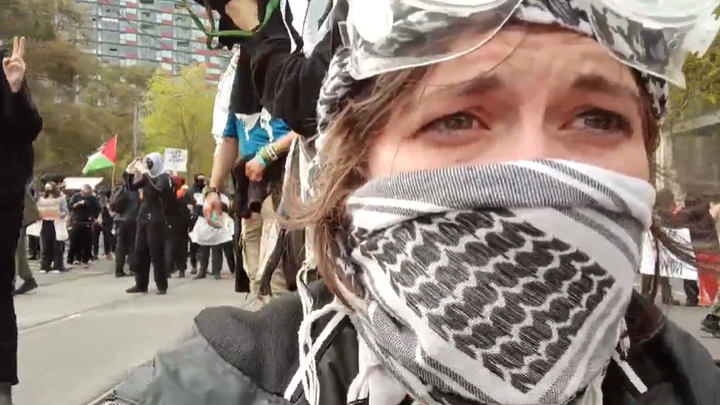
(55, 272)
(42, 272)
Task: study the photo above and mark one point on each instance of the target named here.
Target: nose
(527, 140)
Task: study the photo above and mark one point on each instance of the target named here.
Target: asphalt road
(80, 333)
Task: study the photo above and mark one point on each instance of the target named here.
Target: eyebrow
(491, 82)
(485, 83)
(596, 83)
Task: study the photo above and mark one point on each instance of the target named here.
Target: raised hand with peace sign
(14, 65)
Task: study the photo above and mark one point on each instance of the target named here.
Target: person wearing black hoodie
(125, 204)
(20, 124)
(84, 209)
(285, 80)
(150, 176)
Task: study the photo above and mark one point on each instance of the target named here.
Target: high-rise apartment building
(129, 32)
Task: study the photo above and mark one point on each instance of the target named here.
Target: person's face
(85, 191)
(201, 180)
(531, 92)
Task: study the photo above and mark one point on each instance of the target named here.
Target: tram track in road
(95, 308)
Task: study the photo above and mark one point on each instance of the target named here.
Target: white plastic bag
(205, 235)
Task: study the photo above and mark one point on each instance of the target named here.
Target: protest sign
(670, 265)
(176, 159)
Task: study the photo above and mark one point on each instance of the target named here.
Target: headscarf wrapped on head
(155, 164)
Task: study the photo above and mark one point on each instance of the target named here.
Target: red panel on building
(167, 22)
(166, 47)
(168, 60)
(131, 17)
(130, 42)
(131, 56)
(166, 34)
(131, 30)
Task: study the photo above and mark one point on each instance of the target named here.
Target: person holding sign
(20, 125)
(53, 232)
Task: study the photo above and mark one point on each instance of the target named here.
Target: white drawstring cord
(307, 370)
(624, 365)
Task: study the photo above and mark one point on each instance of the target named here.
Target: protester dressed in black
(20, 124)
(195, 189)
(125, 203)
(178, 225)
(84, 210)
(103, 228)
(157, 192)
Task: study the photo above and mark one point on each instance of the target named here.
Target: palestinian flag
(103, 158)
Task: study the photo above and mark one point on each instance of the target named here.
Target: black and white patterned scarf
(495, 284)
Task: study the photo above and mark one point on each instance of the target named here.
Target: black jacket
(249, 358)
(84, 209)
(158, 196)
(287, 84)
(20, 124)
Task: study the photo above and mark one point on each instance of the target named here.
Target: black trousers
(108, 241)
(203, 258)
(217, 253)
(9, 233)
(194, 253)
(176, 246)
(150, 248)
(80, 243)
(692, 292)
(34, 246)
(124, 250)
(52, 249)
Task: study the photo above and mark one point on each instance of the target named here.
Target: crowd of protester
(65, 229)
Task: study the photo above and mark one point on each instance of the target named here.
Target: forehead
(531, 57)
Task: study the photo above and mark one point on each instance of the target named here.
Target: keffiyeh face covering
(497, 284)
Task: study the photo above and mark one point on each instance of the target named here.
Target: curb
(102, 398)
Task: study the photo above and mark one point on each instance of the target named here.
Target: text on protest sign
(670, 265)
(176, 159)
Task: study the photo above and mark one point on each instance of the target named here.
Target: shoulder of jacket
(173, 376)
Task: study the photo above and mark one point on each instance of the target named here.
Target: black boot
(711, 324)
(136, 290)
(5, 394)
(26, 287)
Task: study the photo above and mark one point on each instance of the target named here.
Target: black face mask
(200, 183)
(149, 163)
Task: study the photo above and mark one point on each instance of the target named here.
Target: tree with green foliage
(83, 102)
(702, 86)
(178, 112)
